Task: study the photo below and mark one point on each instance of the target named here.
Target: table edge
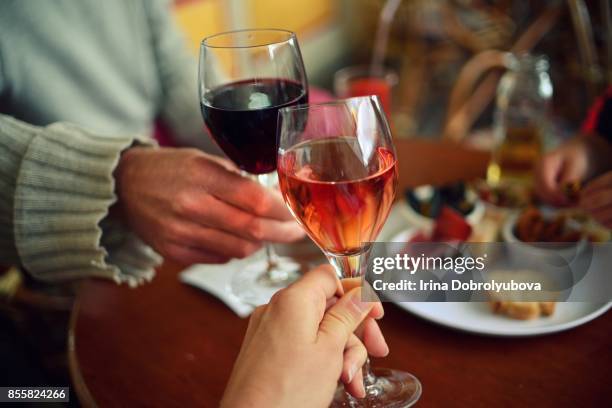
(80, 386)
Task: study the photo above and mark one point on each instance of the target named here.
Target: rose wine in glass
(337, 171)
(338, 204)
(245, 77)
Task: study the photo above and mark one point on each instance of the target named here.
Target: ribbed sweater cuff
(64, 189)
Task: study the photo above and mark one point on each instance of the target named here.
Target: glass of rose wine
(245, 77)
(337, 171)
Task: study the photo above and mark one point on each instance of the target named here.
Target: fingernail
(330, 302)
(356, 300)
(382, 309)
(387, 350)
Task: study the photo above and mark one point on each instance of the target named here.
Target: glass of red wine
(245, 77)
(337, 171)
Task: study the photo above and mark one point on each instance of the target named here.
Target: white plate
(477, 317)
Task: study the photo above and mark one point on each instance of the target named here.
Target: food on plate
(564, 226)
(522, 310)
(597, 233)
(533, 226)
(451, 226)
(591, 229)
(429, 201)
(519, 304)
(571, 190)
(487, 230)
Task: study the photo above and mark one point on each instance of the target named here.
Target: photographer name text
(459, 265)
(455, 284)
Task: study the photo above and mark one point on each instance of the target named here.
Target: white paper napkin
(215, 279)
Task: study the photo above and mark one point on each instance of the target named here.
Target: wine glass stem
(348, 266)
(273, 272)
(368, 376)
(353, 266)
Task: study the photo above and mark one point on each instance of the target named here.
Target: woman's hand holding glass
(298, 346)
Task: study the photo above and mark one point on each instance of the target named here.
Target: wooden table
(168, 344)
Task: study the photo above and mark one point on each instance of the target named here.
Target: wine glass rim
(205, 40)
(342, 101)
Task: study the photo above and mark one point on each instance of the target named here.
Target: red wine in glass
(339, 202)
(244, 78)
(242, 116)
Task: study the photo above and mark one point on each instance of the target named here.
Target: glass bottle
(521, 119)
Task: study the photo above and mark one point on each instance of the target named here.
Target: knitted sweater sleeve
(56, 186)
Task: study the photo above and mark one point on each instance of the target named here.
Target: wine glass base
(256, 283)
(391, 389)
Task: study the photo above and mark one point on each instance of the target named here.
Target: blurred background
(440, 62)
(428, 47)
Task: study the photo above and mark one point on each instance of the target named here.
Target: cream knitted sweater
(80, 81)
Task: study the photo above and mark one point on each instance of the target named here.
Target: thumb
(547, 177)
(342, 319)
